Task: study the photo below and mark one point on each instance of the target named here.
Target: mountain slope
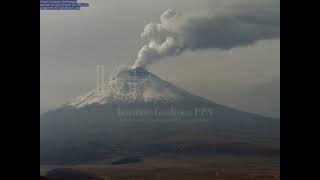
(153, 119)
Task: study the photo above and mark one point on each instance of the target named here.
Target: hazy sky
(108, 32)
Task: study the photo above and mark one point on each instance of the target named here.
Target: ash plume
(230, 28)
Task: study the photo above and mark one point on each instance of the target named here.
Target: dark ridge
(127, 160)
(70, 174)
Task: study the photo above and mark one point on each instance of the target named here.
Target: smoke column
(234, 27)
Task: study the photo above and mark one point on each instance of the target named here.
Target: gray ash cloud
(236, 26)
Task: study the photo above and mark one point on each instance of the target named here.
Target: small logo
(62, 5)
(100, 79)
(127, 82)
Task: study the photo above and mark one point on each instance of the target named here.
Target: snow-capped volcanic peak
(128, 85)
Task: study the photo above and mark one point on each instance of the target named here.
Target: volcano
(139, 114)
(137, 85)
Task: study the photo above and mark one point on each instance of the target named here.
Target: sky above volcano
(72, 43)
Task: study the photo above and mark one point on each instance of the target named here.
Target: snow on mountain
(128, 85)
